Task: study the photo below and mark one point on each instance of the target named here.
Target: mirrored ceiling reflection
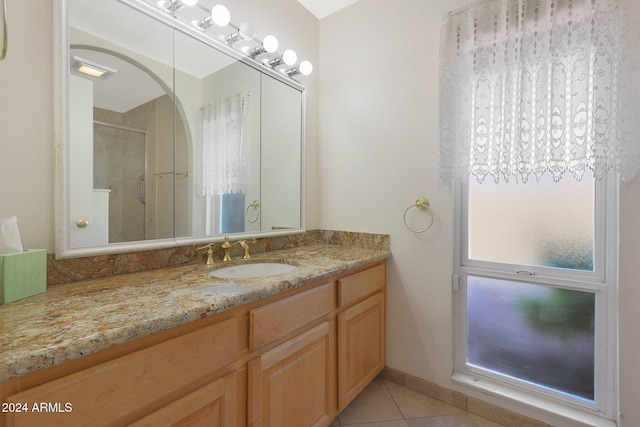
(146, 158)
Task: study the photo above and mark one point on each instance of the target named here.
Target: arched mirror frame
(63, 220)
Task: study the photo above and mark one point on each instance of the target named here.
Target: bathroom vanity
(180, 347)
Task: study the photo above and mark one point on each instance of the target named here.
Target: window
(543, 95)
(535, 289)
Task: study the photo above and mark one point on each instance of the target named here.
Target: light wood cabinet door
(213, 405)
(293, 385)
(361, 347)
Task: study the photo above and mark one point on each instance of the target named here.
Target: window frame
(602, 281)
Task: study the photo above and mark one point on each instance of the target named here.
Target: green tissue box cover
(22, 275)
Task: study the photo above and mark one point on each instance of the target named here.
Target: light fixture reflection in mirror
(245, 32)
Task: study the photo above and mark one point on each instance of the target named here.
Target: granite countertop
(81, 318)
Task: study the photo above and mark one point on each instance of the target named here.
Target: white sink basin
(254, 269)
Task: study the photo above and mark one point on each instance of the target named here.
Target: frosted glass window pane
(538, 334)
(546, 224)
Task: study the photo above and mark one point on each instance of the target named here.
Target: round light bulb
(270, 43)
(247, 31)
(289, 57)
(189, 2)
(220, 15)
(305, 68)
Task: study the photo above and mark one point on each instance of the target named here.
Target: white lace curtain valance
(223, 163)
(535, 86)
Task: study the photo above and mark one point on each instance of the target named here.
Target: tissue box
(22, 274)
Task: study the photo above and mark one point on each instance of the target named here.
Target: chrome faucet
(227, 247)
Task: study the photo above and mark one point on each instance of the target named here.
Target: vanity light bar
(219, 16)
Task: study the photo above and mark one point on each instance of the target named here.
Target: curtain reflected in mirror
(223, 167)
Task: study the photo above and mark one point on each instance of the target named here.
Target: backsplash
(92, 267)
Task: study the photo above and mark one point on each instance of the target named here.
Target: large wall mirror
(168, 138)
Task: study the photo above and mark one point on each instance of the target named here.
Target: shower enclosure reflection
(119, 167)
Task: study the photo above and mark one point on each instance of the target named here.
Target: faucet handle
(209, 248)
(245, 246)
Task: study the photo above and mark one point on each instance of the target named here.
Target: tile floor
(387, 404)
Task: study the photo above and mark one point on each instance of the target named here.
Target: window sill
(561, 413)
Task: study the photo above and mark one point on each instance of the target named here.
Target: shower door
(119, 165)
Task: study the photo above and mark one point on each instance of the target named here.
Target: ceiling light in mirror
(91, 68)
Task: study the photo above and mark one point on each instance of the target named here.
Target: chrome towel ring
(421, 204)
(255, 205)
(3, 22)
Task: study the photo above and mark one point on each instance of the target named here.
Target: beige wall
(629, 316)
(26, 123)
(378, 153)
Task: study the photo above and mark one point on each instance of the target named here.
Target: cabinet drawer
(112, 390)
(277, 319)
(357, 286)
